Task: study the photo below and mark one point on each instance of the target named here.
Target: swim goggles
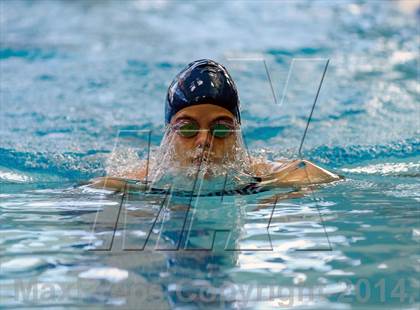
(190, 128)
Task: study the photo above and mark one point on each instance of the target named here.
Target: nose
(202, 139)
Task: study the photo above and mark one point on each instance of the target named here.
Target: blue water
(81, 80)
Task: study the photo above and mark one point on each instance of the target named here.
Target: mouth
(203, 159)
(206, 160)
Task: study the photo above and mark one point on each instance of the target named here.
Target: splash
(168, 170)
(123, 162)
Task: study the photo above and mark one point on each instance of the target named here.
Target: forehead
(203, 112)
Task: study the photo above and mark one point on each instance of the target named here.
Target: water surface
(80, 80)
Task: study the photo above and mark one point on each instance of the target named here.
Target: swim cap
(202, 81)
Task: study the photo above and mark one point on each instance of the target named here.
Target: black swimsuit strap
(249, 189)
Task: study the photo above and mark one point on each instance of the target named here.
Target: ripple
(404, 168)
(340, 155)
(21, 264)
(9, 176)
(110, 274)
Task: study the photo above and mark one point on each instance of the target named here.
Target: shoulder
(262, 167)
(136, 171)
(139, 174)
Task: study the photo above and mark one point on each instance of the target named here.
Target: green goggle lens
(220, 130)
(189, 130)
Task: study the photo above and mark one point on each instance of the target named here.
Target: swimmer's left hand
(300, 172)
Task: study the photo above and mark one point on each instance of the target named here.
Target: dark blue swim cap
(202, 81)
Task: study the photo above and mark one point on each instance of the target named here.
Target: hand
(299, 172)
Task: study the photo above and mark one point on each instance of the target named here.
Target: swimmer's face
(212, 143)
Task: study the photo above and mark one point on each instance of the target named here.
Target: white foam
(110, 274)
(14, 177)
(384, 168)
(21, 264)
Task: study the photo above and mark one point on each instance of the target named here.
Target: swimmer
(203, 122)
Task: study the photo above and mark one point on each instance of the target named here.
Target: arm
(118, 183)
(109, 183)
(300, 172)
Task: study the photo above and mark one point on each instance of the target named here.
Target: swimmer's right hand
(112, 183)
(118, 184)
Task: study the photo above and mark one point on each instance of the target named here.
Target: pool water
(82, 88)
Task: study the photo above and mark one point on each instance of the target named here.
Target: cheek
(223, 147)
(182, 144)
